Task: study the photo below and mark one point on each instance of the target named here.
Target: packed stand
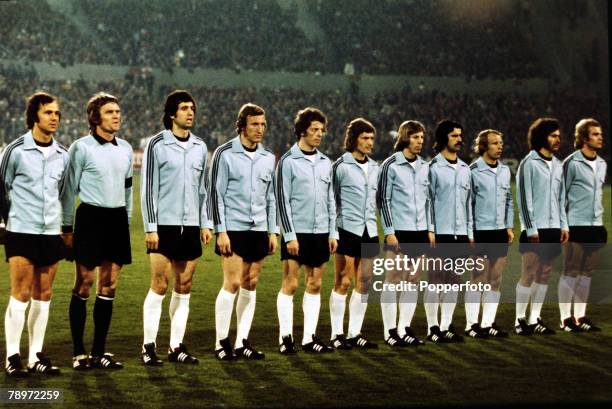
(437, 38)
(430, 38)
(142, 103)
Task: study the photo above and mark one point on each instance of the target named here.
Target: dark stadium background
(486, 63)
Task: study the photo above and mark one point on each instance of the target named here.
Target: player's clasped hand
(206, 235)
(223, 242)
(152, 240)
(293, 248)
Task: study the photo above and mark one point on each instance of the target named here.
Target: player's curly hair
(537, 136)
(305, 117)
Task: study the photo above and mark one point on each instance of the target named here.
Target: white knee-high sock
(522, 300)
(538, 293)
(565, 292)
(14, 319)
(245, 311)
(311, 305)
(448, 301)
(224, 305)
(388, 308)
(337, 306)
(179, 312)
(151, 313)
(472, 307)
(284, 309)
(490, 301)
(431, 302)
(581, 296)
(407, 306)
(358, 305)
(38, 316)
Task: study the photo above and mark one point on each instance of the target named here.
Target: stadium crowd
(415, 38)
(142, 103)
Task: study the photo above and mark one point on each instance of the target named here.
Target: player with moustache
(541, 200)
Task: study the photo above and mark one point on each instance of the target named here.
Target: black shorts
(41, 249)
(101, 234)
(412, 243)
(491, 243)
(352, 245)
(449, 246)
(252, 246)
(591, 238)
(549, 246)
(179, 242)
(314, 249)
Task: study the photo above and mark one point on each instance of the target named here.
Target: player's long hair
(171, 106)
(94, 105)
(245, 112)
(406, 129)
(355, 128)
(305, 117)
(33, 105)
(581, 134)
(537, 136)
(443, 128)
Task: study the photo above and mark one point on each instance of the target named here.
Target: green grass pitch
(490, 372)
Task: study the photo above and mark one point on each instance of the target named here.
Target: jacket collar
(535, 155)
(238, 148)
(170, 139)
(29, 143)
(296, 152)
(440, 158)
(400, 159)
(483, 166)
(103, 141)
(580, 156)
(349, 158)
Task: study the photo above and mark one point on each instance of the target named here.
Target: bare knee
(342, 282)
(83, 286)
(231, 286)
(159, 285)
(290, 285)
(313, 285)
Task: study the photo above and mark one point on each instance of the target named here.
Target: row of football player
(321, 207)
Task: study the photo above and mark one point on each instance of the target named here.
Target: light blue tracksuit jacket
(173, 182)
(492, 204)
(305, 195)
(584, 190)
(355, 194)
(451, 191)
(540, 194)
(403, 195)
(241, 193)
(30, 186)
